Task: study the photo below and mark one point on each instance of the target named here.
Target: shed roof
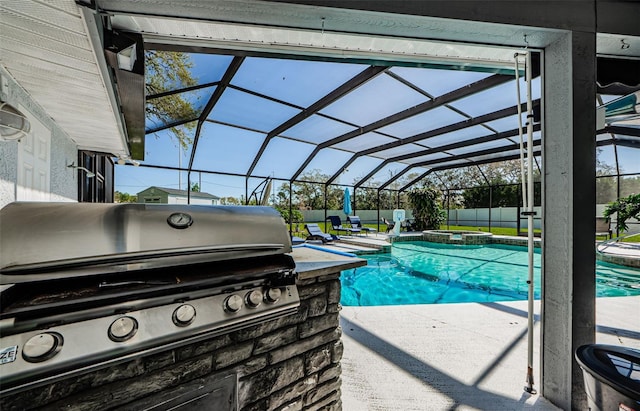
(182, 193)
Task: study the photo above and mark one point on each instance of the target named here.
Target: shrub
(296, 214)
(427, 211)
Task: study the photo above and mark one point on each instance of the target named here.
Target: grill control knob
(184, 315)
(254, 298)
(233, 303)
(123, 329)
(273, 295)
(41, 347)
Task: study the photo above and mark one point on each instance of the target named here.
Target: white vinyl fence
(476, 217)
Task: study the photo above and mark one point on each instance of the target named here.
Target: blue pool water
(432, 273)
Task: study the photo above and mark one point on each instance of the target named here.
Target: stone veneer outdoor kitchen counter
(289, 363)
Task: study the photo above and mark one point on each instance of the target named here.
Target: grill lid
(46, 240)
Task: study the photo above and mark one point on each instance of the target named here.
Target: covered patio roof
(368, 111)
(275, 101)
(275, 117)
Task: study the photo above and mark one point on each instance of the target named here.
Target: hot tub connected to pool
(457, 237)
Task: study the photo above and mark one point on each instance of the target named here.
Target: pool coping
(376, 248)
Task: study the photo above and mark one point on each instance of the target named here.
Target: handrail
(600, 248)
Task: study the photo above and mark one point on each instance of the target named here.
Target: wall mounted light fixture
(13, 124)
(122, 160)
(90, 174)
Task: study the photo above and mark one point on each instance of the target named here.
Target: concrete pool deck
(627, 254)
(470, 356)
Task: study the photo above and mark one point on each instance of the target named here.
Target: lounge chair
(355, 222)
(295, 240)
(315, 233)
(390, 225)
(336, 224)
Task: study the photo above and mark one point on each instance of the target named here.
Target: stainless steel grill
(85, 286)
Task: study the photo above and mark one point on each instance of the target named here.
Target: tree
(230, 201)
(366, 198)
(169, 71)
(427, 211)
(501, 194)
(195, 187)
(629, 185)
(606, 190)
(119, 197)
(309, 193)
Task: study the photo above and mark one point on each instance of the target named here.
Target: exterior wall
(500, 217)
(63, 183)
(166, 198)
(291, 363)
(153, 193)
(194, 200)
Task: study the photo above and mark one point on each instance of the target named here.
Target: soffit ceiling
(48, 49)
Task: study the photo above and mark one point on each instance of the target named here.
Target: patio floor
(469, 356)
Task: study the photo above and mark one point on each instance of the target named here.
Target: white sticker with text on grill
(8, 354)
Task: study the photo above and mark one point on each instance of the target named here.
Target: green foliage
(167, 71)
(195, 187)
(502, 195)
(308, 194)
(366, 198)
(627, 207)
(230, 201)
(295, 214)
(426, 206)
(119, 197)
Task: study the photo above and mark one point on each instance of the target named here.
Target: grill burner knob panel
(149, 330)
(254, 298)
(123, 329)
(233, 303)
(184, 315)
(273, 295)
(41, 347)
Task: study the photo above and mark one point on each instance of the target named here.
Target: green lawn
(300, 231)
(635, 238)
(494, 230)
(326, 227)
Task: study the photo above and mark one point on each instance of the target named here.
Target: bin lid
(616, 366)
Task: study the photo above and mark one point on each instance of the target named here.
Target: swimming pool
(419, 272)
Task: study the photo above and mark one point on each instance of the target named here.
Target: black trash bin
(611, 377)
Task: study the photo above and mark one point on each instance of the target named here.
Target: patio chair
(315, 233)
(355, 222)
(390, 225)
(408, 225)
(336, 225)
(603, 227)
